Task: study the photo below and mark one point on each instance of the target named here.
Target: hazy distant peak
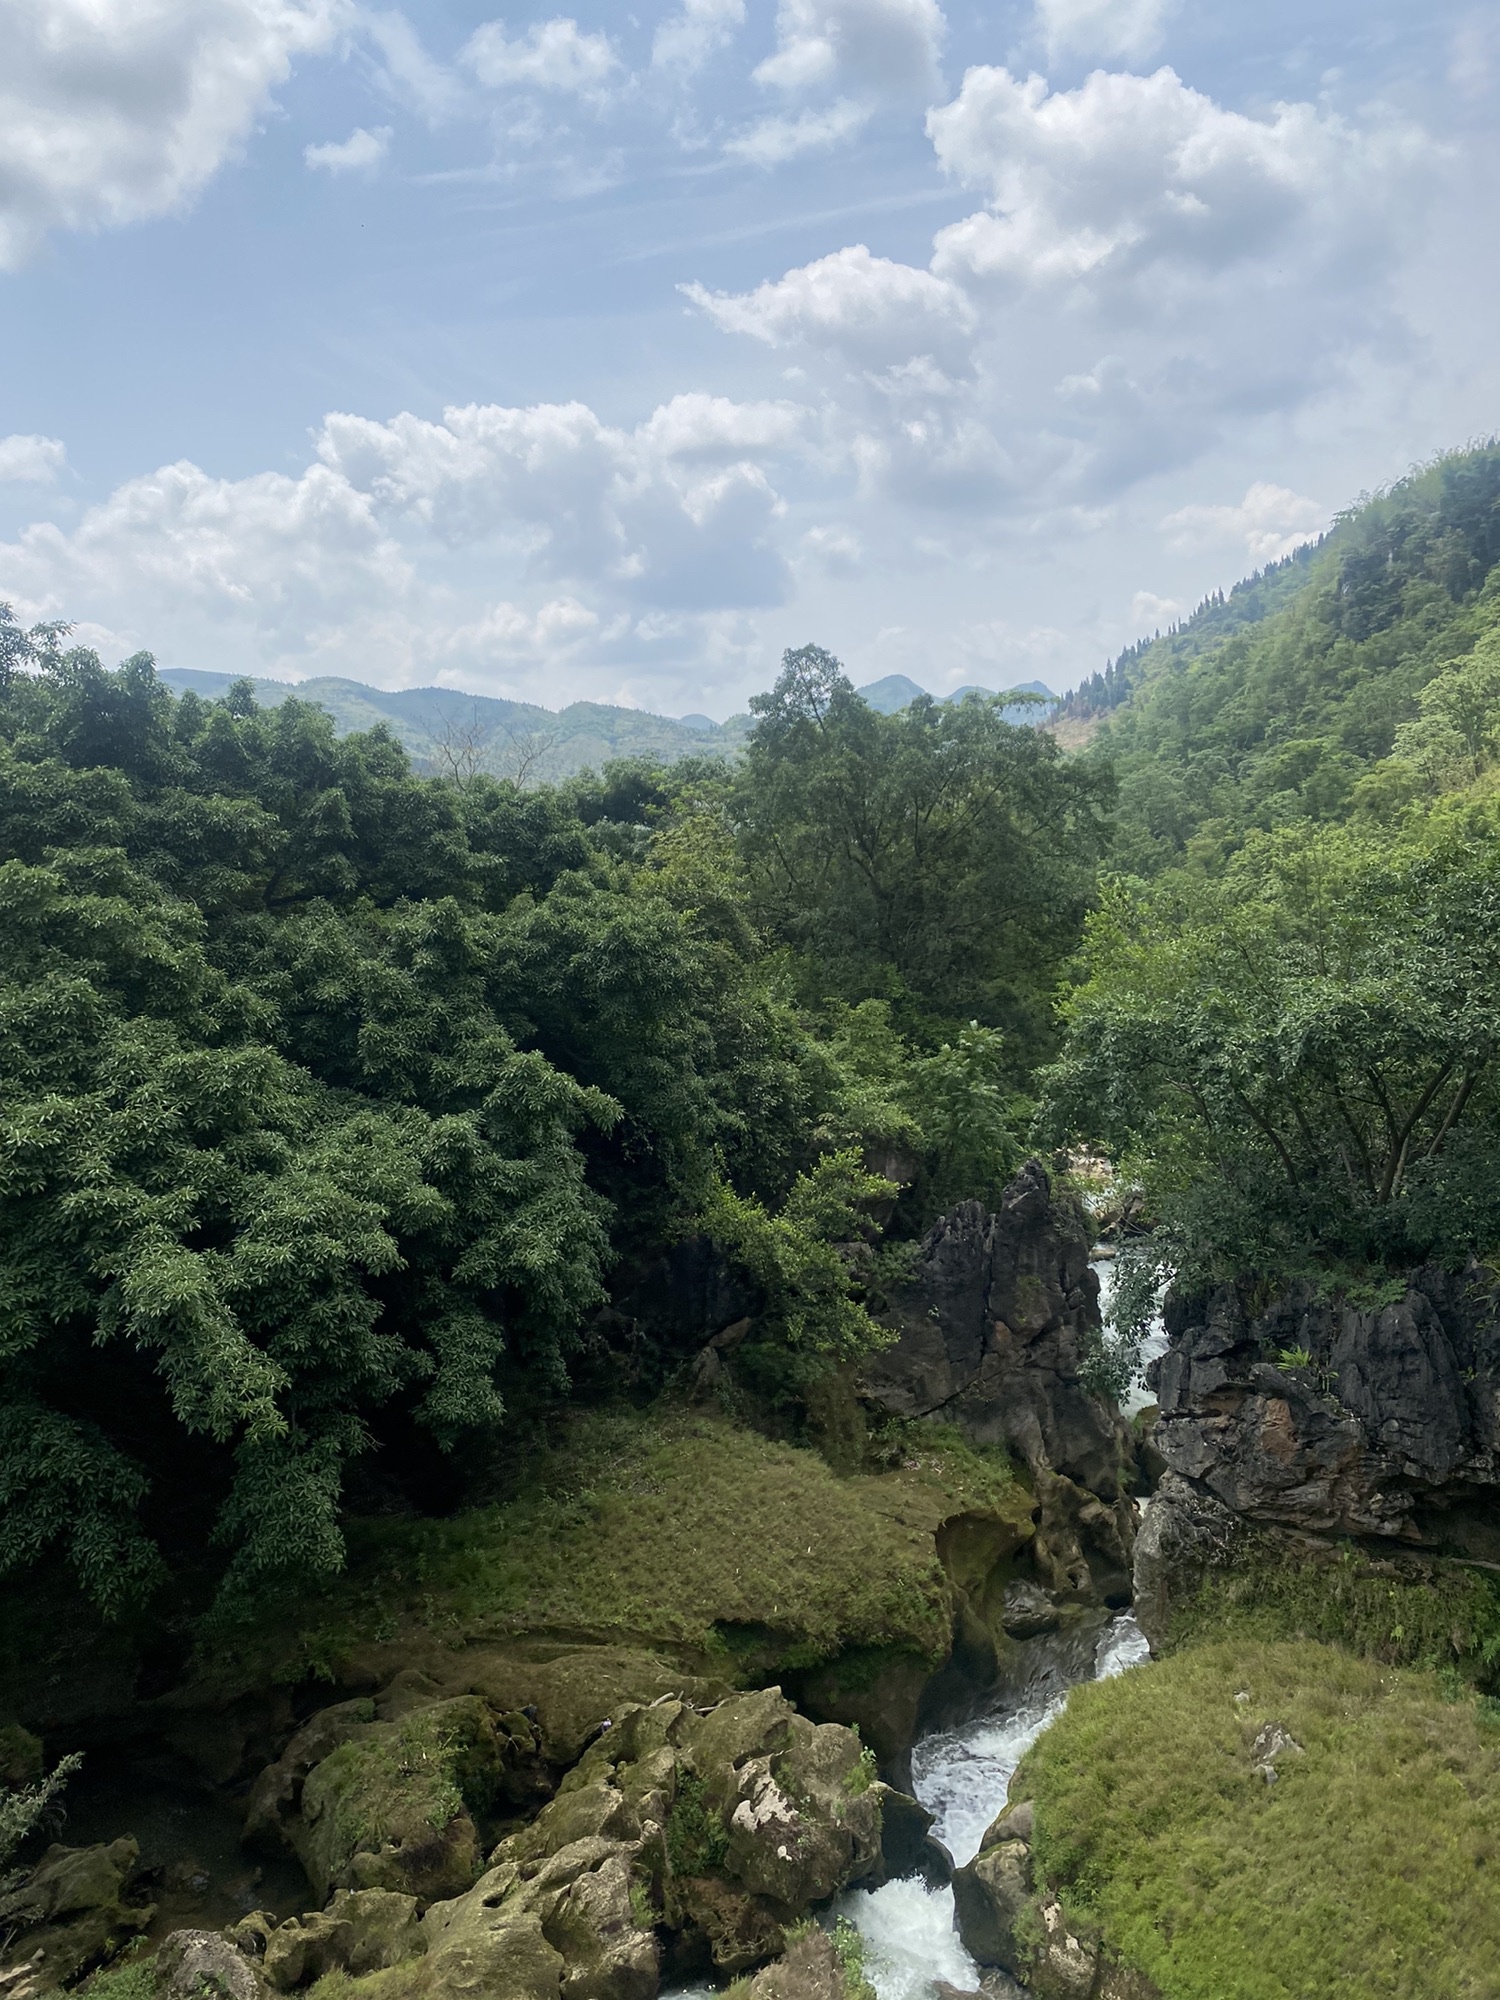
(898, 691)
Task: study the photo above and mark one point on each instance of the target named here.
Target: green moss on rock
(673, 1529)
(396, 1808)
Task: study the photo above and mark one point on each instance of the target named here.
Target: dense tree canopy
(332, 1096)
(940, 857)
(1300, 1058)
(1287, 1030)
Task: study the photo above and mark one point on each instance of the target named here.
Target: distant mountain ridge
(448, 729)
(897, 691)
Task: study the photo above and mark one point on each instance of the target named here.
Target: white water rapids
(961, 1775)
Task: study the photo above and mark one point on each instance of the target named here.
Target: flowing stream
(961, 1775)
(1137, 1396)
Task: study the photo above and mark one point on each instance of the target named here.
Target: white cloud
(112, 112)
(1127, 176)
(554, 55)
(890, 47)
(773, 140)
(389, 548)
(361, 152)
(27, 459)
(701, 426)
(866, 307)
(684, 42)
(836, 551)
(1270, 521)
(292, 558)
(409, 73)
(1150, 613)
(1107, 28)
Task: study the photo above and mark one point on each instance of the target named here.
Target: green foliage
(1364, 1869)
(940, 857)
(864, 1773)
(849, 1950)
(1296, 1061)
(1445, 1618)
(1112, 1362)
(23, 1808)
(805, 1258)
(131, 1977)
(1454, 736)
(697, 1840)
(964, 1103)
(329, 1096)
(1276, 705)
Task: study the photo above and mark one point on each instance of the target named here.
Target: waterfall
(961, 1775)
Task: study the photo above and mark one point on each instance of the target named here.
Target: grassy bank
(1415, 1611)
(672, 1528)
(1369, 1867)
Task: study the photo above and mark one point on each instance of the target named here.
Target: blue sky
(604, 353)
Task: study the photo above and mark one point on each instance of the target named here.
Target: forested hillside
(334, 1095)
(1288, 1006)
(1274, 704)
(596, 1263)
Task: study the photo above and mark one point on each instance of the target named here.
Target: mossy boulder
(20, 1755)
(713, 1830)
(74, 1910)
(394, 1807)
(205, 1965)
(362, 1930)
(990, 1894)
(809, 1969)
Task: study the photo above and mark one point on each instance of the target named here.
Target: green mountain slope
(1272, 703)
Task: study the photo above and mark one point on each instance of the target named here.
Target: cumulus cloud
(555, 55)
(773, 140)
(391, 543)
(361, 152)
(26, 459)
(1270, 522)
(836, 551)
(292, 557)
(696, 425)
(112, 112)
(684, 42)
(1129, 176)
(1108, 28)
(889, 47)
(1149, 612)
(869, 308)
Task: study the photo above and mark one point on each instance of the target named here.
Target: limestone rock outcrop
(1009, 1919)
(993, 1333)
(1314, 1420)
(695, 1836)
